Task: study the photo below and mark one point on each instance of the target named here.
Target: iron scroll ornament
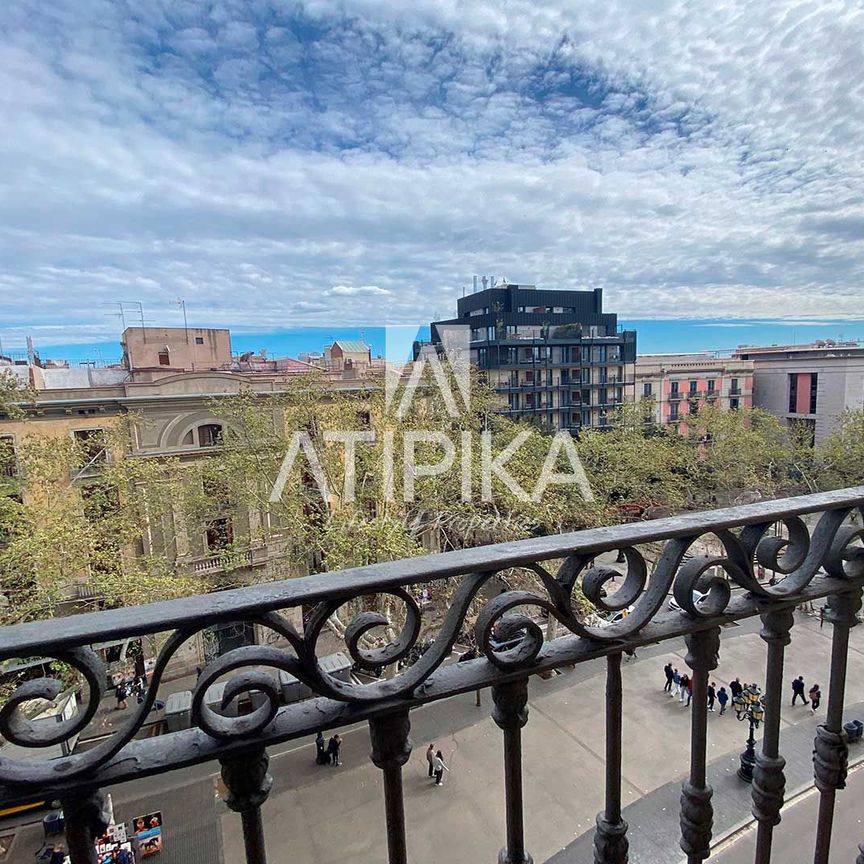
(799, 557)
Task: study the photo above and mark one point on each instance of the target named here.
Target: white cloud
(700, 160)
(356, 291)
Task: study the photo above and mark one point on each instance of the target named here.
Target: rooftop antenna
(182, 304)
(138, 305)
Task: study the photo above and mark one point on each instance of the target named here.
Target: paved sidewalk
(322, 815)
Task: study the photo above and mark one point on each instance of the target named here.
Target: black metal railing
(822, 559)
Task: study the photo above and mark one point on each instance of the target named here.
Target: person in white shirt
(439, 768)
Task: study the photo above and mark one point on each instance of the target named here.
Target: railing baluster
(697, 815)
(248, 785)
(86, 818)
(769, 781)
(830, 756)
(391, 749)
(610, 839)
(510, 712)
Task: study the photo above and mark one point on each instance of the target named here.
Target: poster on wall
(148, 831)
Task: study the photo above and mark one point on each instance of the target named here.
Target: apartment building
(554, 356)
(174, 414)
(678, 384)
(808, 384)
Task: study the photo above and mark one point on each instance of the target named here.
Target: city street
(325, 813)
(322, 813)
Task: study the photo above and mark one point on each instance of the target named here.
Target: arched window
(209, 435)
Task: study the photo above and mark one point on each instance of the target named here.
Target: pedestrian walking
(798, 690)
(670, 675)
(333, 747)
(689, 691)
(121, 693)
(430, 758)
(815, 697)
(722, 698)
(676, 680)
(736, 688)
(684, 684)
(439, 768)
(321, 757)
(712, 695)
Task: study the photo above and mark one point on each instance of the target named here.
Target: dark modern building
(554, 356)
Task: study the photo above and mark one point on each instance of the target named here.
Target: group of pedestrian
(328, 754)
(815, 693)
(680, 685)
(125, 688)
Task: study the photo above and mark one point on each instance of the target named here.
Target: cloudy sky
(280, 164)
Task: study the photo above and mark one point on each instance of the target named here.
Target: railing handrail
(39, 637)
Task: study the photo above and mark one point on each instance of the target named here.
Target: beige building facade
(808, 384)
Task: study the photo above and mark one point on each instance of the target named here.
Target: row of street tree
(119, 528)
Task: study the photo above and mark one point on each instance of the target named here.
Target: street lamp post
(748, 706)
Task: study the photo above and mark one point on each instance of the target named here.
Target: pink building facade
(680, 384)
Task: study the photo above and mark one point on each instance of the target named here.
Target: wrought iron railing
(822, 559)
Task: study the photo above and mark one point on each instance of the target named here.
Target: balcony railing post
(610, 839)
(86, 818)
(697, 815)
(248, 785)
(831, 753)
(391, 749)
(510, 713)
(769, 781)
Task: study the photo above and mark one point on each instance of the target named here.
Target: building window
(813, 378)
(733, 404)
(733, 386)
(712, 385)
(673, 411)
(8, 467)
(164, 358)
(674, 393)
(199, 340)
(220, 534)
(647, 389)
(91, 446)
(692, 387)
(793, 393)
(694, 406)
(209, 435)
